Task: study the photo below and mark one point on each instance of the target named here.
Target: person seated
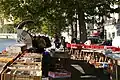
(57, 43)
(107, 43)
(88, 42)
(74, 40)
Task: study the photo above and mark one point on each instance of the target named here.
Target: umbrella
(24, 37)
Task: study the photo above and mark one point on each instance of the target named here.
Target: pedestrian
(57, 42)
(41, 44)
(46, 63)
(63, 43)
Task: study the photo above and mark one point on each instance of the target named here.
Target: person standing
(41, 44)
(57, 42)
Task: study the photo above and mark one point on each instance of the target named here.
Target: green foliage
(37, 10)
(8, 28)
(54, 16)
(45, 28)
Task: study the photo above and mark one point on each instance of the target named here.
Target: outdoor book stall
(17, 64)
(105, 57)
(7, 59)
(114, 68)
(26, 67)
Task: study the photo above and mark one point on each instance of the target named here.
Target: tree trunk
(82, 26)
(79, 27)
(119, 12)
(76, 28)
(72, 30)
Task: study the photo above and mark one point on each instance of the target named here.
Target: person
(57, 42)
(107, 42)
(46, 63)
(41, 44)
(63, 42)
(74, 40)
(34, 43)
(88, 42)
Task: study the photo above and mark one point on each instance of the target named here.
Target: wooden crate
(9, 74)
(18, 65)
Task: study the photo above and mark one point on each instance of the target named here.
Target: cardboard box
(59, 74)
(59, 78)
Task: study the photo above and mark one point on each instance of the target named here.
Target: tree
(58, 13)
(38, 10)
(8, 28)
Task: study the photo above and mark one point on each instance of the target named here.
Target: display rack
(28, 66)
